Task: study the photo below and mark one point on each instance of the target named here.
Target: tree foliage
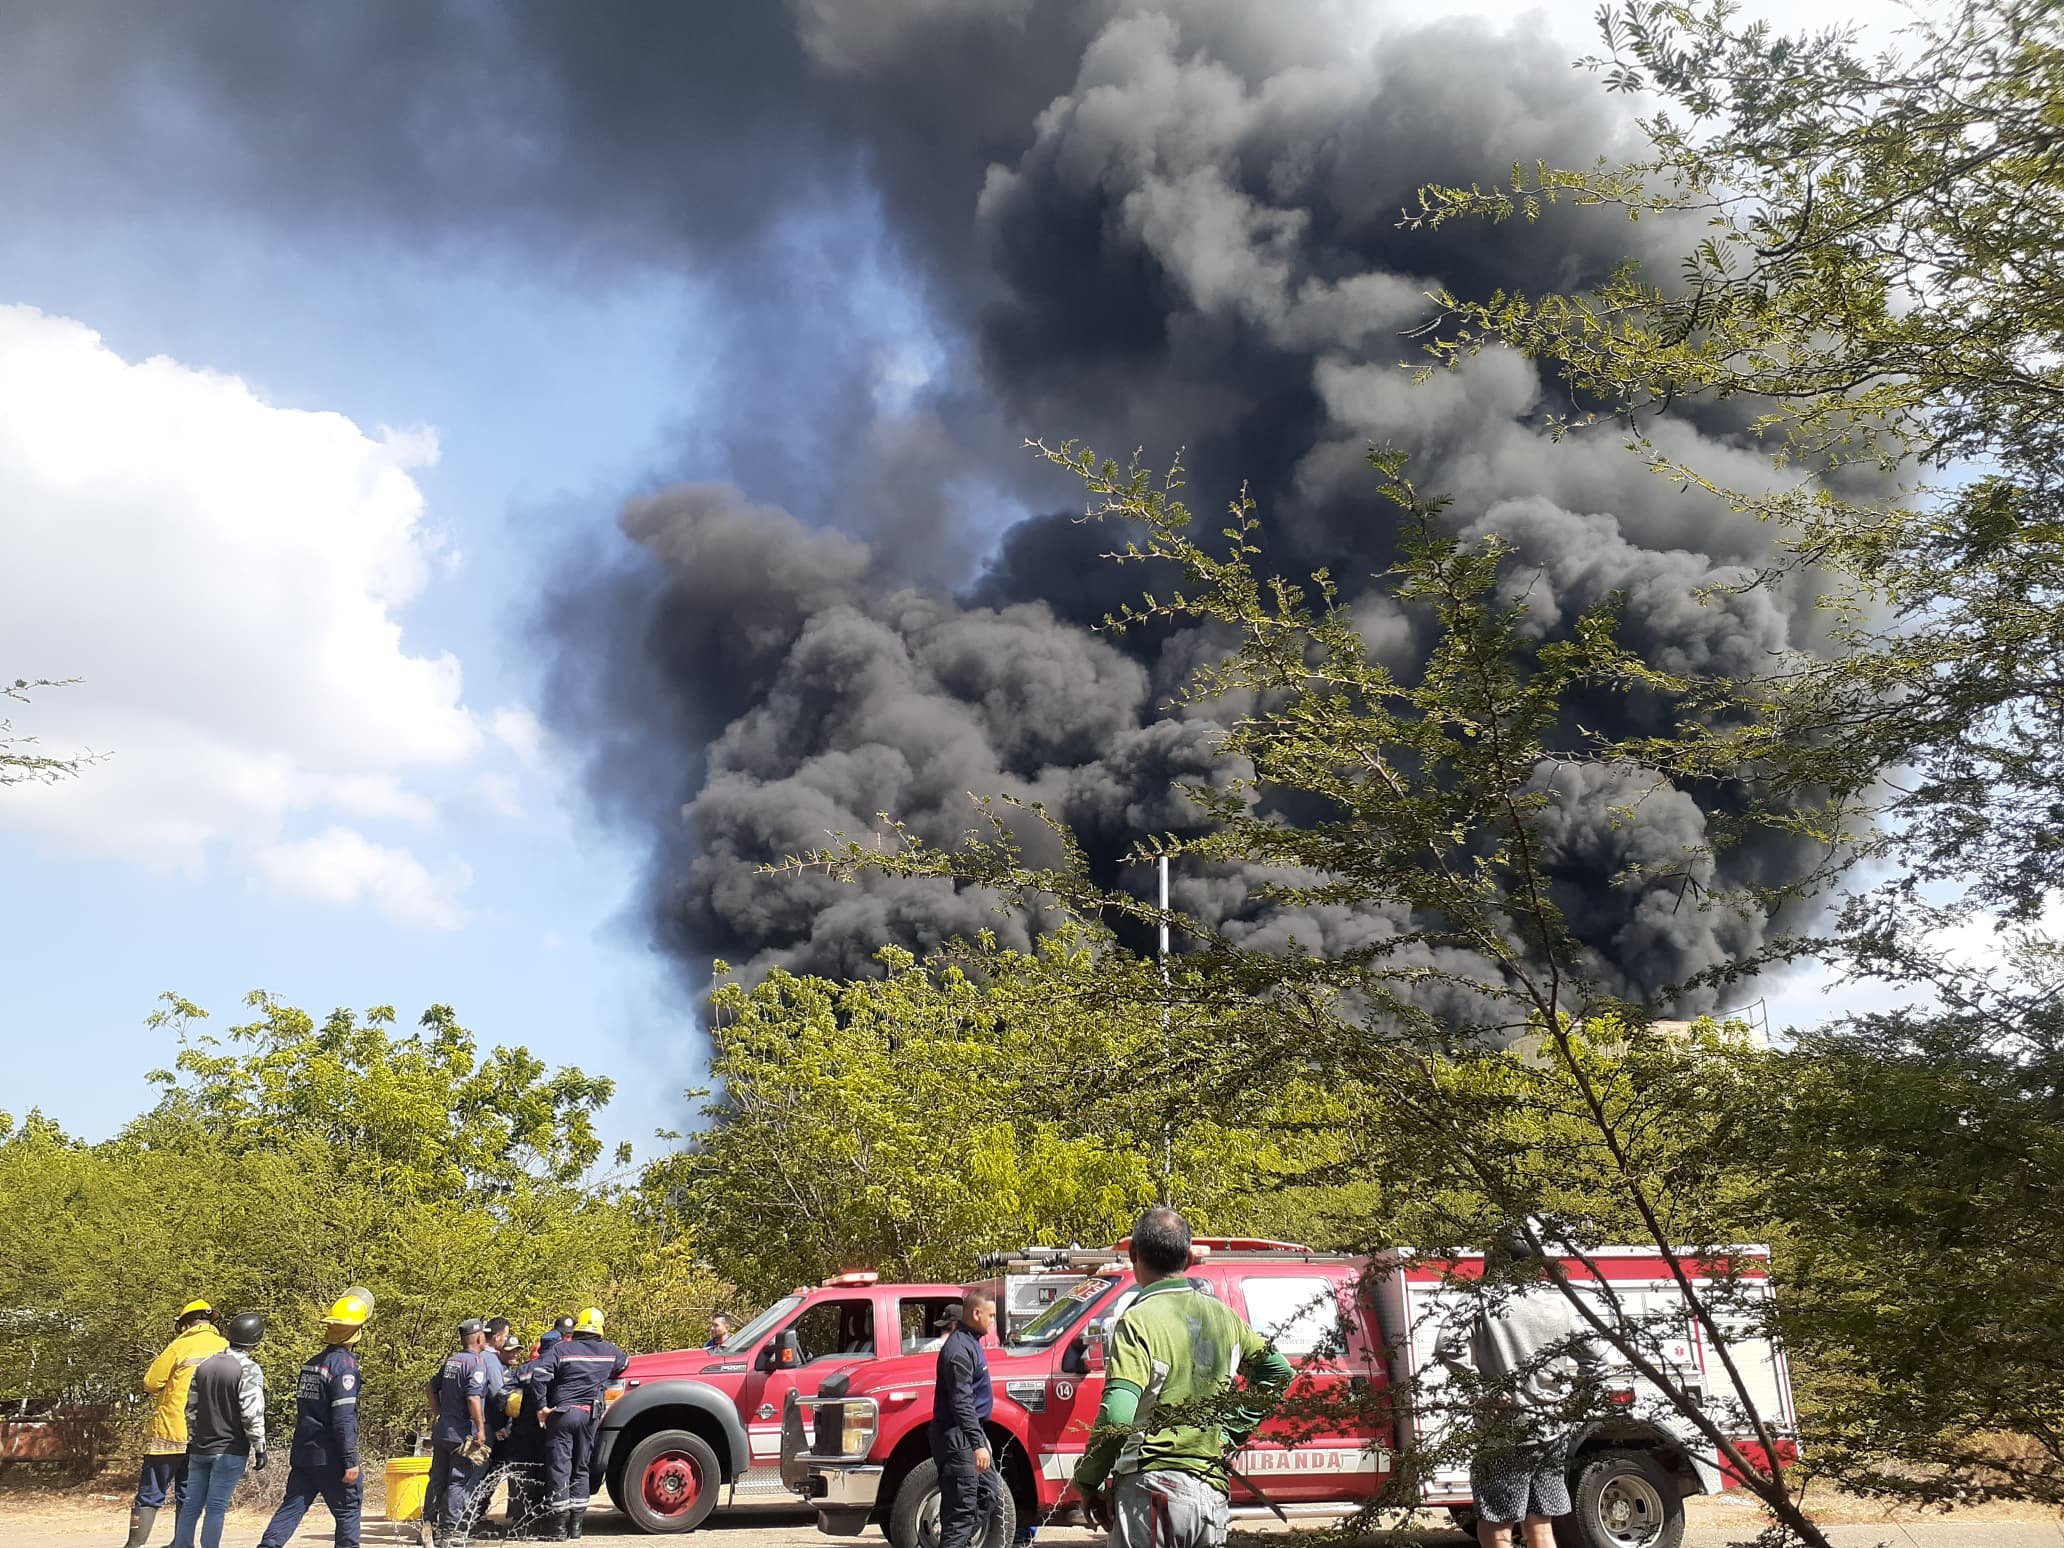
(986, 1099)
(1877, 293)
(21, 761)
(301, 1158)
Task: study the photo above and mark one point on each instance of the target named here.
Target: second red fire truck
(858, 1450)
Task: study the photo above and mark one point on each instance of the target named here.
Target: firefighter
(466, 1392)
(1173, 1353)
(324, 1458)
(519, 1441)
(566, 1385)
(960, 1441)
(163, 1474)
(552, 1335)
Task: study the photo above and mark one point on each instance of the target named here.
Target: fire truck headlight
(856, 1435)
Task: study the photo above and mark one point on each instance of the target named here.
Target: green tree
(986, 1099)
(304, 1157)
(1872, 279)
(425, 1109)
(1914, 1159)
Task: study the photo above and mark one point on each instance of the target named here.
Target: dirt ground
(98, 1513)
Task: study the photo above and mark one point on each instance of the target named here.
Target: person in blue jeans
(225, 1432)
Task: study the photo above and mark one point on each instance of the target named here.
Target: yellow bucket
(408, 1480)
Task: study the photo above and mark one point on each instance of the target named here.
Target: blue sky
(548, 403)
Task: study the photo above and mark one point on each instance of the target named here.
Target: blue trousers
(164, 1473)
(452, 1480)
(304, 1486)
(210, 1481)
(568, 1435)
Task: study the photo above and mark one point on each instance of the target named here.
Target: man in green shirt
(1171, 1414)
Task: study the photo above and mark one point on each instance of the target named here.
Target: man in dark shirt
(960, 1442)
(466, 1395)
(567, 1388)
(225, 1432)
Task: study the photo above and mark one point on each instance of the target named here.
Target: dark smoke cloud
(1167, 223)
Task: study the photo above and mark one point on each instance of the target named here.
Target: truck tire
(914, 1513)
(669, 1482)
(1623, 1498)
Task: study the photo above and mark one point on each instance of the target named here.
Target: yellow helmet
(196, 1308)
(351, 1309)
(589, 1321)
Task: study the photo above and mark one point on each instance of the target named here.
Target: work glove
(258, 1460)
(475, 1449)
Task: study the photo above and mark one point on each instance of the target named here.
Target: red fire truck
(691, 1424)
(858, 1449)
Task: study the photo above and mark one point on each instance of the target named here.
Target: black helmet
(245, 1329)
(563, 1327)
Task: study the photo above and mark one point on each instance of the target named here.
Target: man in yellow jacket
(164, 1446)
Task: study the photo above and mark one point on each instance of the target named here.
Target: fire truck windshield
(1051, 1325)
(743, 1340)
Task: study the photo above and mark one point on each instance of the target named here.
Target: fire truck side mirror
(1093, 1338)
(782, 1352)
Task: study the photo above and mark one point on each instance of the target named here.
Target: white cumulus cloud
(227, 578)
(343, 867)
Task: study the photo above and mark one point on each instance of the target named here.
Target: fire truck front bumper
(844, 1496)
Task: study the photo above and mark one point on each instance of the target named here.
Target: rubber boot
(574, 1518)
(141, 1519)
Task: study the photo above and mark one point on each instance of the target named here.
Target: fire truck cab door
(832, 1334)
(1317, 1446)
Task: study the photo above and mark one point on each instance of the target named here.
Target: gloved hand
(258, 1460)
(1096, 1504)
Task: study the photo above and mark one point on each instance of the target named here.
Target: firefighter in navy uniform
(519, 1447)
(324, 1458)
(964, 1399)
(565, 1387)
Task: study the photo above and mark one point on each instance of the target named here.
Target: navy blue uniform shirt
(466, 1373)
(963, 1395)
(326, 1410)
(573, 1373)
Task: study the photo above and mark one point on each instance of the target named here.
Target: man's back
(1182, 1349)
(465, 1374)
(225, 1408)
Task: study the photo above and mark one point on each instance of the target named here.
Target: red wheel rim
(672, 1483)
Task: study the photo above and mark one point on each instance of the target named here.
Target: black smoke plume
(1162, 223)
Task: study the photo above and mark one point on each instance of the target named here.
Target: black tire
(914, 1514)
(1622, 1499)
(669, 1482)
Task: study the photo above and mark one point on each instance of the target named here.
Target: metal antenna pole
(1167, 1054)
